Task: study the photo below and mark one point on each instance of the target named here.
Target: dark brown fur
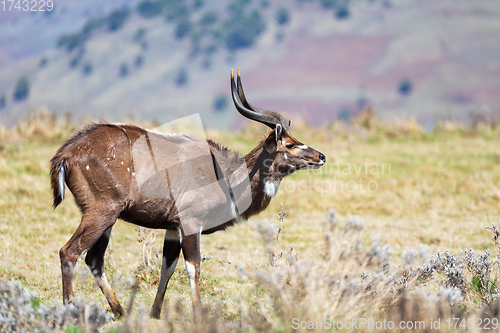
(97, 165)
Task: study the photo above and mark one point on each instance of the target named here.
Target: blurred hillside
(320, 60)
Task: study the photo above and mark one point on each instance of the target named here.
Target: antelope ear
(271, 143)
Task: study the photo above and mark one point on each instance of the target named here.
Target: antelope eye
(290, 146)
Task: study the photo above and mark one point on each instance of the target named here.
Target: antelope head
(285, 153)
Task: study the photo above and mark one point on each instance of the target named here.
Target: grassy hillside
(399, 194)
(322, 59)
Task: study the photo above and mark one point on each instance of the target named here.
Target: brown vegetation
(404, 256)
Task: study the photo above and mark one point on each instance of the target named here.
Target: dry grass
(438, 189)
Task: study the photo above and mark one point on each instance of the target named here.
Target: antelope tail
(57, 179)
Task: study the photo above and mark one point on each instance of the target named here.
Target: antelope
(184, 185)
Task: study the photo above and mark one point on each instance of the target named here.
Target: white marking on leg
(80, 257)
(70, 268)
(166, 273)
(191, 270)
(105, 280)
(170, 270)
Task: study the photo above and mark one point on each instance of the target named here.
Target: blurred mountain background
(317, 60)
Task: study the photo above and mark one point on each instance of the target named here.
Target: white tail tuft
(61, 181)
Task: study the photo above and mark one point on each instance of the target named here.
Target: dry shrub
(483, 116)
(21, 311)
(148, 270)
(41, 126)
(366, 126)
(365, 119)
(405, 128)
(347, 283)
(449, 127)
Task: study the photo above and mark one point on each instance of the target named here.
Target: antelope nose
(322, 158)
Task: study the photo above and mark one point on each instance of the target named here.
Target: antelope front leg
(171, 250)
(191, 252)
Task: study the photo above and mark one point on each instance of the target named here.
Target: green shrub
(181, 78)
(43, 62)
(405, 86)
(220, 103)
(71, 41)
(342, 13)
(74, 61)
(198, 4)
(182, 29)
(22, 89)
(208, 19)
(87, 69)
(238, 6)
(344, 114)
(339, 7)
(116, 20)
(175, 10)
(329, 4)
(124, 71)
(3, 101)
(93, 24)
(113, 21)
(139, 35)
(148, 9)
(243, 29)
(139, 61)
(282, 16)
